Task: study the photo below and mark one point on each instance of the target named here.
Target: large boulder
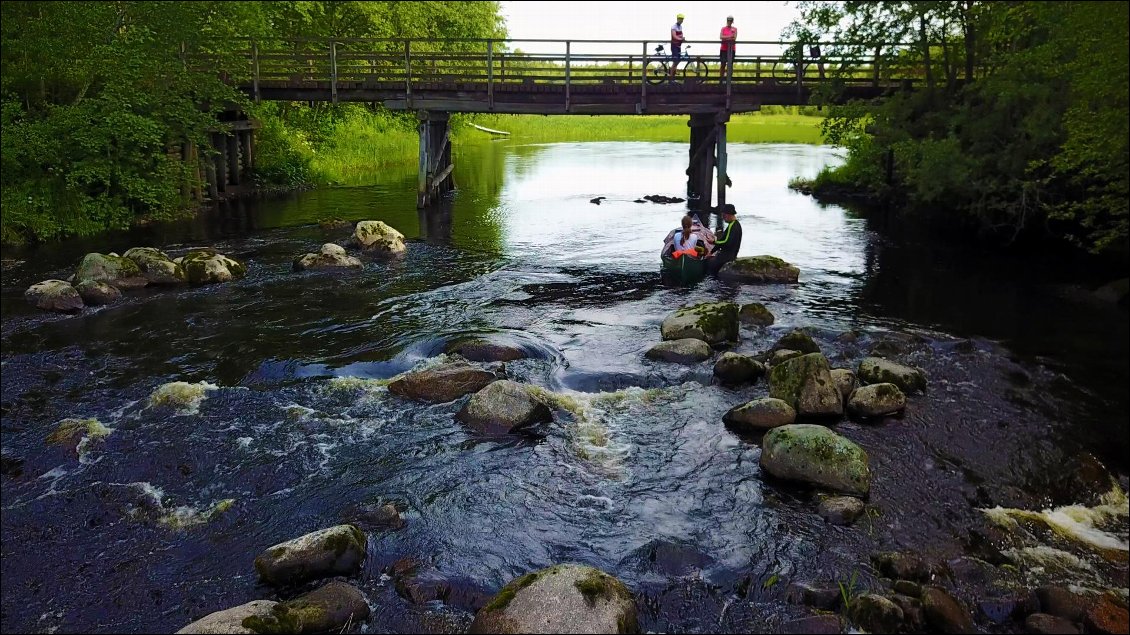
(876, 400)
(331, 256)
(112, 269)
(231, 620)
(442, 383)
(759, 269)
(814, 454)
(687, 350)
(759, 415)
(875, 614)
(324, 553)
(781, 355)
(206, 266)
(805, 383)
(566, 598)
(735, 368)
(755, 314)
(54, 295)
(502, 407)
(156, 266)
(944, 613)
(876, 370)
(796, 340)
(376, 236)
(327, 609)
(711, 322)
(96, 293)
(844, 380)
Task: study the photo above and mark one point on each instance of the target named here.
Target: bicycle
(658, 69)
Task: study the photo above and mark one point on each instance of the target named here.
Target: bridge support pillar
(700, 168)
(434, 179)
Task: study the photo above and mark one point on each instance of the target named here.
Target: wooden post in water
(434, 178)
(233, 157)
(700, 169)
(221, 161)
(720, 128)
(245, 140)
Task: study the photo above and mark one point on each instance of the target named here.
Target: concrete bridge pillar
(434, 179)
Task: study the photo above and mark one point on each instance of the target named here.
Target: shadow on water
(637, 476)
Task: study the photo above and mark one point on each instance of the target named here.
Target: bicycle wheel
(695, 71)
(656, 72)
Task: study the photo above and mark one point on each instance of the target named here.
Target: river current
(155, 520)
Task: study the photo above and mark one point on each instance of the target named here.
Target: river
(129, 532)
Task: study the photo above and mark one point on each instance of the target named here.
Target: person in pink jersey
(729, 43)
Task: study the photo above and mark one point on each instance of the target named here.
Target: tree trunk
(967, 28)
(926, 52)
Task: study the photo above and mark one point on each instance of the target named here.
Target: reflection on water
(638, 476)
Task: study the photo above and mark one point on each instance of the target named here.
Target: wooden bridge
(439, 77)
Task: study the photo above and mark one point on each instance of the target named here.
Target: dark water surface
(639, 477)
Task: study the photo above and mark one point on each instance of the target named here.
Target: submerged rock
(54, 295)
(813, 625)
(755, 269)
(328, 552)
(156, 266)
(373, 518)
(876, 400)
(711, 322)
(840, 510)
(805, 383)
(759, 415)
(797, 340)
(565, 598)
(734, 368)
(331, 256)
(819, 597)
(503, 407)
(327, 609)
(682, 351)
(376, 236)
(207, 266)
(112, 269)
(814, 454)
(480, 350)
(442, 383)
(875, 370)
(230, 620)
(181, 395)
(755, 314)
(902, 565)
(96, 293)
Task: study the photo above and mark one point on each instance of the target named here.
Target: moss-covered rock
(376, 236)
(797, 340)
(328, 552)
(875, 370)
(844, 380)
(805, 383)
(112, 269)
(96, 293)
(327, 609)
(503, 407)
(781, 355)
(711, 322)
(687, 350)
(876, 400)
(735, 368)
(565, 598)
(814, 454)
(875, 614)
(156, 266)
(755, 315)
(442, 383)
(759, 415)
(230, 620)
(759, 269)
(54, 295)
(331, 256)
(207, 266)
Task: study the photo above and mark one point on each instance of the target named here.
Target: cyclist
(676, 45)
(729, 38)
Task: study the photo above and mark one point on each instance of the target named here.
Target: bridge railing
(490, 65)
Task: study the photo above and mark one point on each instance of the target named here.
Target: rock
(759, 415)
(1000, 610)
(875, 613)
(734, 368)
(757, 269)
(206, 266)
(876, 400)
(1107, 616)
(796, 340)
(815, 624)
(1114, 292)
(480, 350)
(814, 454)
(334, 223)
(711, 322)
(328, 552)
(445, 382)
(371, 518)
(566, 598)
(907, 588)
(874, 370)
(330, 608)
(11, 465)
(503, 407)
(683, 351)
(116, 271)
(844, 380)
(1045, 624)
(230, 620)
(902, 566)
(913, 619)
(54, 295)
(755, 315)
(823, 598)
(156, 266)
(97, 293)
(840, 510)
(331, 256)
(782, 355)
(805, 383)
(944, 613)
(669, 559)
(374, 235)
(1061, 602)
(421, 584)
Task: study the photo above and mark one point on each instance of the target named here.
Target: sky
(757, 21)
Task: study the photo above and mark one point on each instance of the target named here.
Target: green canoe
(685, 269)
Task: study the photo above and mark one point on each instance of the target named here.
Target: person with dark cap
(729, 242)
